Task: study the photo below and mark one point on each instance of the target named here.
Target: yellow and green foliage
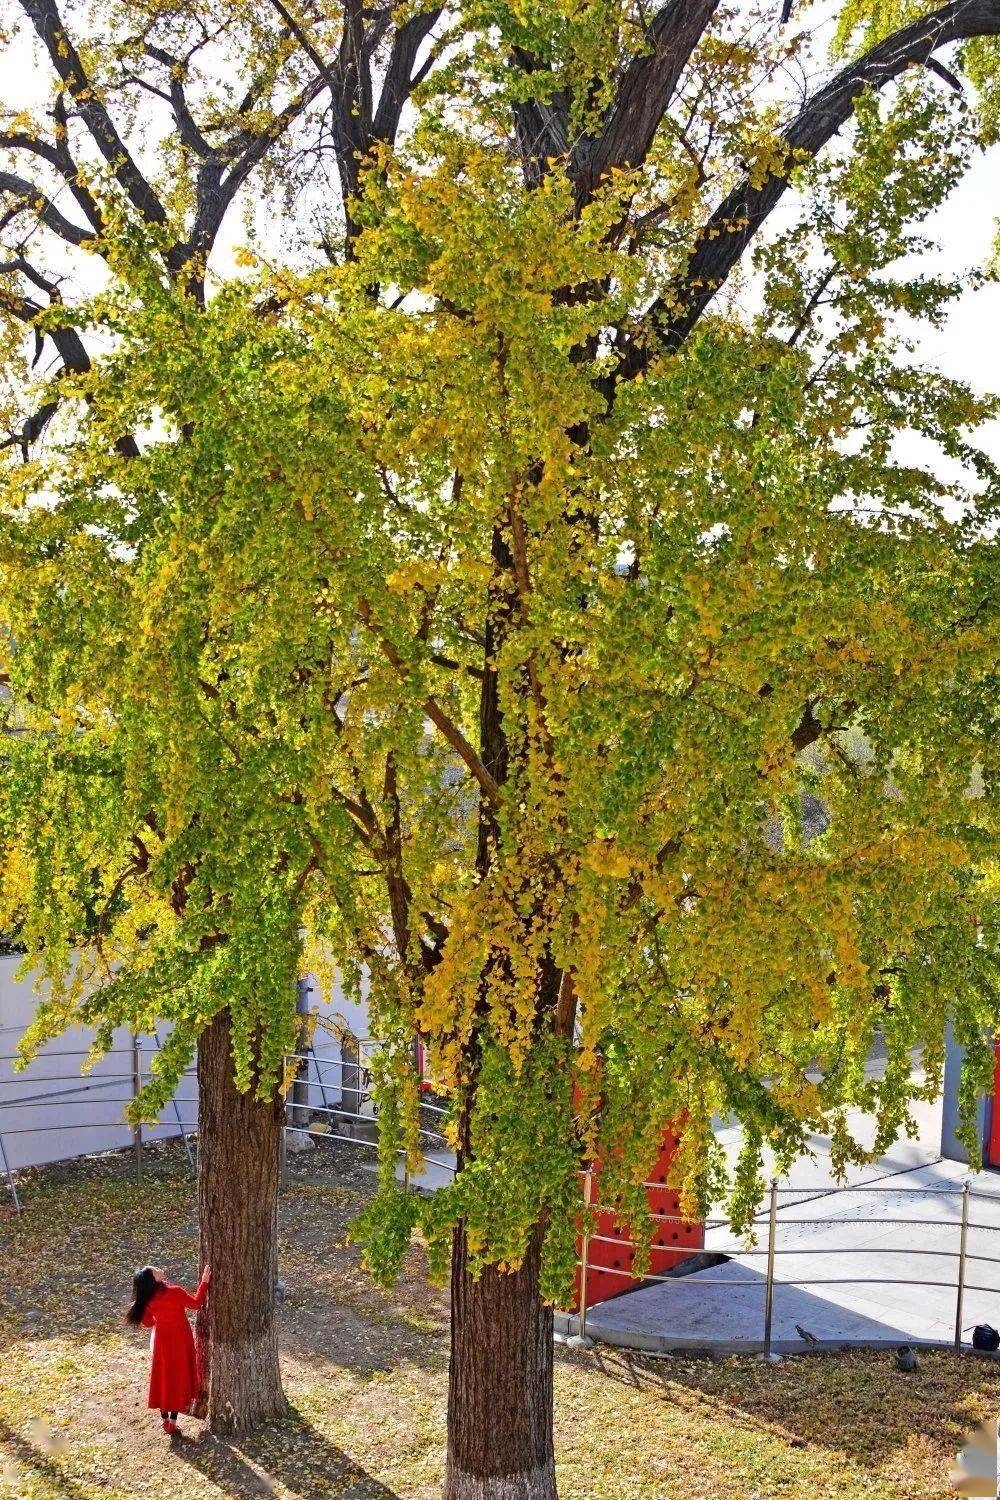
(739, 641)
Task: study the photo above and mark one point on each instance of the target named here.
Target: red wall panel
(609, 1258)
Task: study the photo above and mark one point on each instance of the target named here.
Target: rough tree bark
(239, 1139)
(500, 1444)
(499, 1384)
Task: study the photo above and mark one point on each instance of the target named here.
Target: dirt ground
(366, 1374)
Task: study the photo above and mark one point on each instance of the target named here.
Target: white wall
(50, 1112)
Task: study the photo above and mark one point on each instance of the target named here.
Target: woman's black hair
(144, 1284)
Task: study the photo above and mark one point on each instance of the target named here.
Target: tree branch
(35, 201)
(187, 128)
(645, 92)
(58, 156)
(399, 78)
(44, 16)
(72, 354)
(447, 727)
(725, 237)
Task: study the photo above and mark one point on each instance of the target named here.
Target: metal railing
(959, 1284)
(78, 1093)
(361, 1089)
(336, 1123)
(327, 1122)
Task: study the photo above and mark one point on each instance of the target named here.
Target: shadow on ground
(366, 1371)
(855, 1404)
(291, 1452)
(39, 1465)
(104, 1224)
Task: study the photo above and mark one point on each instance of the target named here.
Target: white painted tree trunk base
(539, 1484)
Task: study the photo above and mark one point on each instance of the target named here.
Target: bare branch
(728, 232)
(73, 357)
(647, 87)
(35, 201)
(399, 78)
(187, 127)
(44, 16)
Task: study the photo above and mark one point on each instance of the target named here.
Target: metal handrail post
(319, 1074)
(584, 1252)
(962, 1244)
(283, 1147)
(772, 1220)
(136, 1086)
(177, 1113)
(9, 1175)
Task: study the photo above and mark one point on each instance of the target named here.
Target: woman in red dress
(157, 1304)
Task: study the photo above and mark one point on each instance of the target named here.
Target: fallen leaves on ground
(366, 1375)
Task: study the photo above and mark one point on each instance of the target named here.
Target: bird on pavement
(803, 1333)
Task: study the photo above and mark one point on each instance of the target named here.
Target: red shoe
(171, 1427)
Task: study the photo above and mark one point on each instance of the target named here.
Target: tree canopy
(525, 607)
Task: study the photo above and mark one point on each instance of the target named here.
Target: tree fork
(239, 1139)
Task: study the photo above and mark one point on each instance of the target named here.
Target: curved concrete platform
(880, 1280)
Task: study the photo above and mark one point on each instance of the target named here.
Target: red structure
(991, 1152)
(610, 1256)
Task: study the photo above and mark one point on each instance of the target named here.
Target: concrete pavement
(880, 1252)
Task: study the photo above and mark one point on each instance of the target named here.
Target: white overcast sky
(968, 346)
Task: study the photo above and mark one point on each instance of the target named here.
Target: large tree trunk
(239, 1140)
(499, 1384)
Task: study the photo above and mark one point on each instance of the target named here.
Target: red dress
(173, 1378)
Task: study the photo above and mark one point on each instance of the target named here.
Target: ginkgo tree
(478, 613)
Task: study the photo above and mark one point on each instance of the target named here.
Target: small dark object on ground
(985, 1337)
(804, 1333)
(906, 1360)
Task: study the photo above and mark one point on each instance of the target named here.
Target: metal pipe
(177, 1115)
(350, 1140)
(620, 1239)
(74, 1103)
(350, 1114)
(609, 1208)
(810, 1195)
(98, 1125)
(760, 1283)
(588, 1182)
(136, 1087)
(70, 1096)
(62, 1078)
(769, 1291)
(295, 1110)
(68, 1052)
(10, 1176)
(960, 1292)
(333, 1062)
(319, 1076)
